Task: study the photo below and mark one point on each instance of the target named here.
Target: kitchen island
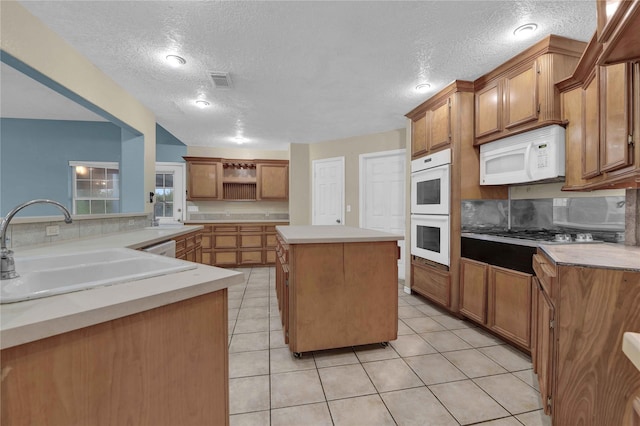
(337, 286)
(152, 351)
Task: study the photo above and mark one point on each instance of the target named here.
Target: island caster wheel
(384, 344)
(297, 355)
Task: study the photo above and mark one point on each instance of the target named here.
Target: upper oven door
(430, 191)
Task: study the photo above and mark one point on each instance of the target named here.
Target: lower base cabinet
(165, 366)
(239, 244)
(583, 312)
(189, 247)
(431, 282)
(499, 299)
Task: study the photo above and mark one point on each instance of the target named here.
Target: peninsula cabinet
(497, 298)
(586, 297)
(520, 94)
(337, 286)
(164, 366)
(601, 108)
(189, 246)
(238, 244)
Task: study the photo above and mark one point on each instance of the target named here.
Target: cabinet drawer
(249, 241)
(431, 283)
(181, 245)
(250, 228)
(250, 257)
(190, 241)
(546, 273)
(221, 258)
(225, 241)
(270, 257)
(271, 240)
(224, 228)
(270, 229)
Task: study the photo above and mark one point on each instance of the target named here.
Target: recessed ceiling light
(424, 87)
(525, 30)
(240, 139)
(175, 60)
(202, 103)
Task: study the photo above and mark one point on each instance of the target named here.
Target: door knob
(337, 220)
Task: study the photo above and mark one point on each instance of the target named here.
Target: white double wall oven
(431, 207)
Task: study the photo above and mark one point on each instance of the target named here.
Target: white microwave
(528, 157)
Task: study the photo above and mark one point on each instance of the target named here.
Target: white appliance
(430, 206)
(167, 249)
(430, 183)
(430, 237)
(528, 157)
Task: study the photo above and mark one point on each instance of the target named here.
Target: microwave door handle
(527, 154)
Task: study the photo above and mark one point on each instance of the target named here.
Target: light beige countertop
(631, 347)
(314, 234)
(601, 255)
(36, 319)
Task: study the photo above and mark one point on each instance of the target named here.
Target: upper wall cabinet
(520, 94)
(237, 180)
(204, 178)
(601, 108)
(431, 126)
(273, 180)
(618, 30)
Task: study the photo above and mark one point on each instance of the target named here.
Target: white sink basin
(42, 276)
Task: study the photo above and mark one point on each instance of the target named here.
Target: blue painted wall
(168, 147)
(35, 154)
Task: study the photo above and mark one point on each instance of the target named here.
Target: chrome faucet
(7, 265)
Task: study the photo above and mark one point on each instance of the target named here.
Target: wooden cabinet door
(432, 283)
(545, 347)
(489, 110)
(615, 116)
(439, 125)
(591, 134)
(509, 305)
(473, 290)
(204, 181)
(273, 182)
(419, 136)
(521, 97)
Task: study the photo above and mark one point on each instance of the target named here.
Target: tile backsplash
(35, 233)
(589, 213)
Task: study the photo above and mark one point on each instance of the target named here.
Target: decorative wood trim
(453, 87)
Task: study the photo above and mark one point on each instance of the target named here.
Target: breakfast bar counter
(337, 286)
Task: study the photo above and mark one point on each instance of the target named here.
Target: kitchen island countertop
(314, 234)
(601, 255)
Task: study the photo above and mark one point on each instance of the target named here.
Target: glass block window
(164, 195)
(96, 187)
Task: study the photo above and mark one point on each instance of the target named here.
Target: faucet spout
(7, 265)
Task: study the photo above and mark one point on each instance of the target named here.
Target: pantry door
(328, 191)
(382, 195)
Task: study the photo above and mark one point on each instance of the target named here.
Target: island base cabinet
(164, 366)
(341, 294)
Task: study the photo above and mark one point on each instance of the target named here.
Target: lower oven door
(430, 237)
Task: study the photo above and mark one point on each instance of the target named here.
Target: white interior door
(328, 191)
(170, 193)
(382, 195)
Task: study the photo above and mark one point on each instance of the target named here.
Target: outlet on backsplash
(132, 222)
(52, 231)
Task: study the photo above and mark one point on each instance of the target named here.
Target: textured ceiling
(302, 71)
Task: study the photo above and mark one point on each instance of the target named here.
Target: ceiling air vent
(221, 80)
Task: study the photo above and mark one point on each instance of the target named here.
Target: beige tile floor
(440, 371)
